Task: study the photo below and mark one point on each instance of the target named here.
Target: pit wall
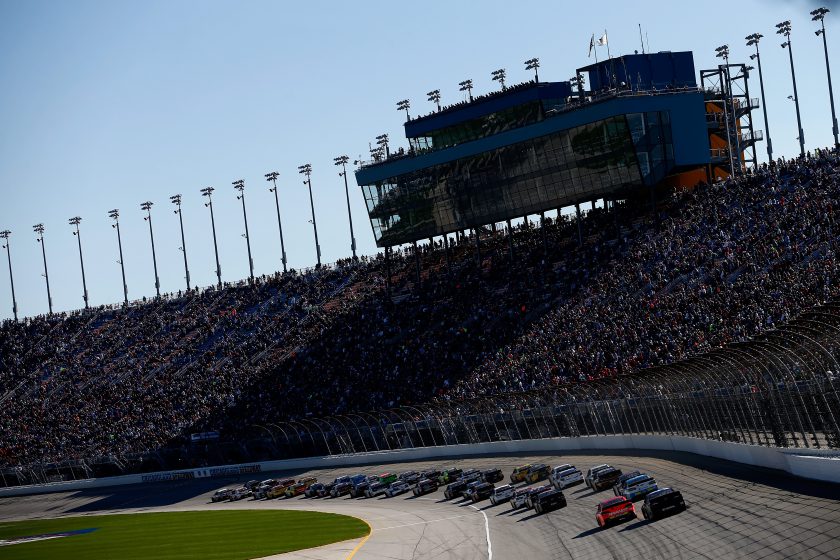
(823, 465)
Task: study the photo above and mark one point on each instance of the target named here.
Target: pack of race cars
(475, 485)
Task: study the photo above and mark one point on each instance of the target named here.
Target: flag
(602, 42)
(591, 45)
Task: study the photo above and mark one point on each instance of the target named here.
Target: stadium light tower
(434, 97)
(342, 161)
(272, 178)
(176, 200)
(499, 76)
(75, 222)
(753, 40)
(208, 192)
(382, 142)
(39, 229)
(306, 169)
(147, 206)
(404, 105)
(723, 52)
(533, 64)
(239, 185)
(4, 235)
(819, 15)
(115, 215)
(784, 29)
(467, 86)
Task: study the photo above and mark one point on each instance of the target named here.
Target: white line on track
(487, 531)
(420, 523)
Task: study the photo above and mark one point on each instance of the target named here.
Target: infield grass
(212, 535)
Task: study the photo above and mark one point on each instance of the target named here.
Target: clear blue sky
(106, 104)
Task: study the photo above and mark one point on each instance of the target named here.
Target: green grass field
(216, 535)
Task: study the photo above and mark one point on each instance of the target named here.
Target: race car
(604, 478)
(449, 475)
(425, 486)
(532, 495)
(519, 473)
(566, 478)
(222, 495)
(468, 492)
(328, 488)
(662, 502)
(397, 488)
(410, 477)
(619, 484)
(470, 475)
(376, 489)
(263, 488)
(300, 486)
(239, 494)
(482, 491)
(314, 490)
(455, 489)
(341, 489)
(279, 488)
(518, 498)
(537, 473)
(638, 487)
(492, 475)
(360, 485)
(502, 494)
(431, 474)
(614, 510)
(591, 472)
(549, 501)
(251, 485)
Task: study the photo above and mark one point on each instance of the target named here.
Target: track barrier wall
(823, 465)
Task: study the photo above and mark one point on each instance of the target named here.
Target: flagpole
(607, 37)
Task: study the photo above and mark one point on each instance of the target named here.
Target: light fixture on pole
(176, 200)
(75, 222)
(784, 30)
(819, 15)
(723, 52)
(404, 105)
(533, 64)
(434, 97)
(115, 215)
(306, 169)
(147, 206)
(342, 161)
(39, 229)
(752, 41)
(382, 142)
(272, 178)
(240, 186)
(208, 192)
(467, 86)
(4, 235)
(499, 76)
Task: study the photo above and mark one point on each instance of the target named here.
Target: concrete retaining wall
(814, 464)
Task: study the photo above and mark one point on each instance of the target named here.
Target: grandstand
(112, 390)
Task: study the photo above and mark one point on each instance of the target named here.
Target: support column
(510, 240)
(542, 234)
(417, 263)
(477, 246)
(446, 250)
(579, 227)
(388, 271)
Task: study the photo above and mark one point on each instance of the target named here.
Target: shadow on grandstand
(159, 494)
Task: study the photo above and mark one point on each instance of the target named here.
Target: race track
(735, 511)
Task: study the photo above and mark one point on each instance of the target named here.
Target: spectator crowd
(622, 290)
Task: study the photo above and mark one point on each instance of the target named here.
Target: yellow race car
(279, 489)
(300, 486)
(519, 473)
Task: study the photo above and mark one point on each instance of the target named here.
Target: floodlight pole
(306, 169)
(75, 222)
(819, 15)
(208, 192)
(39, 229)
(784, 29)
(754, 39)
(272, 177)
(240, 186)
(176, 200)
(115, 214)
(147, 206)
(5, 236)
(342, 161)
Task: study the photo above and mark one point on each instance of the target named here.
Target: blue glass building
(541, 146)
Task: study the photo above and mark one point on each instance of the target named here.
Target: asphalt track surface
(735, 511)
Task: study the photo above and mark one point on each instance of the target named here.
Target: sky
(106, 104)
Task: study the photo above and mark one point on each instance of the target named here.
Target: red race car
(613, 510)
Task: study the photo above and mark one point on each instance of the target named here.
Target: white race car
(502, 494)
(397, 488)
